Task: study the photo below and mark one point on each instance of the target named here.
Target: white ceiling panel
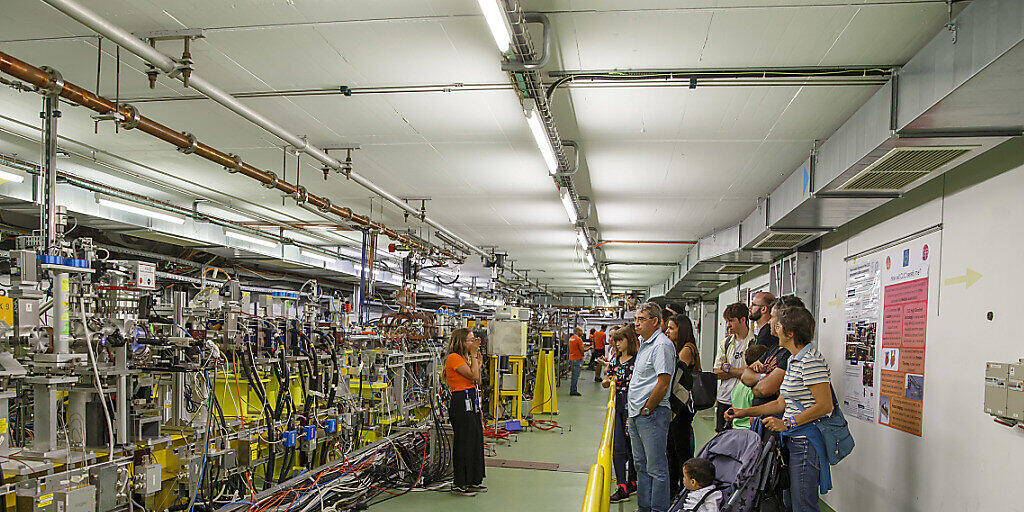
(660, 163)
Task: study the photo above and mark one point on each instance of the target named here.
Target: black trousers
(720, 421)
(468, 442)
(680, 446)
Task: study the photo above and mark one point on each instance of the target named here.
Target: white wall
(964, 461)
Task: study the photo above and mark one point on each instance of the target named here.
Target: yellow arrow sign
(836, 302)
(969, 278)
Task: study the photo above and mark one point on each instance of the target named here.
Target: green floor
(573, 448)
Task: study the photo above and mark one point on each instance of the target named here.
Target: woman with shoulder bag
(805, 397)
(680, 429)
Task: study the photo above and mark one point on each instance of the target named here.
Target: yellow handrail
(597, 497)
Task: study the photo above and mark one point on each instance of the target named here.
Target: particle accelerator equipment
(123, 387)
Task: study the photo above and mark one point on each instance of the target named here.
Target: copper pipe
(659, 242)
(128, 116)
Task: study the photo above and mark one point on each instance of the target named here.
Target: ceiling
(660, 163)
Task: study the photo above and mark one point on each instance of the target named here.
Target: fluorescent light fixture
(145, 212)
(498, 23)
(10, 176)
(581, 236)
(251, 239)
(318, 256)
(540, 136)
(590, 259)
(570, 207)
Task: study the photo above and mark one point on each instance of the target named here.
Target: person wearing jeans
(648, 409)
(805, 397)
(620, 369)
(576, 348)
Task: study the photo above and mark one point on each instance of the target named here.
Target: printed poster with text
(904, 329)
(862, 305)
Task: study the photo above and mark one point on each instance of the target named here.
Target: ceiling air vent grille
(904, 165)
(734, 268)
(786, 240)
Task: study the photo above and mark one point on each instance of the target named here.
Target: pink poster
(904, 331)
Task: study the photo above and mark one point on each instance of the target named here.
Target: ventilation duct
(902, 166)
(734, 268)
(785, 239)
(954, 100)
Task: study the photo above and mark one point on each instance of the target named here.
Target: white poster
(862, 304)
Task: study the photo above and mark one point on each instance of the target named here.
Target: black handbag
(703, 387)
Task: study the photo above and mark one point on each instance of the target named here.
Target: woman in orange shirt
(462, 371)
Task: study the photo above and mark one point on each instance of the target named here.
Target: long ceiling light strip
(318, 256)
(540, 136)
(498, 23)
(10, 176)
(570, 207)
(537, 116)
(251, 239)
(138, 210)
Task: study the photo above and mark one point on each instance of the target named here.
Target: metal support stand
(48, 181)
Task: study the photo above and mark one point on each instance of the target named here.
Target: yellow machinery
(515, 396)
(545, 395)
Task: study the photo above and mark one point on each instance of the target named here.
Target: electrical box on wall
(1004, 390)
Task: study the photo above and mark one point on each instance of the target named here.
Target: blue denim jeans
(622, 451)
(577, 367)
(804, 472)
(649, 438)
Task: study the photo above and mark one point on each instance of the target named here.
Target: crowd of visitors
(771, 379)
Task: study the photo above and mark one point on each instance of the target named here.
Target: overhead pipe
(129, 118)
(170, 66)
(125, 195)
(655, 242)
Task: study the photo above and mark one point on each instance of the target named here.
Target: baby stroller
(746, 471)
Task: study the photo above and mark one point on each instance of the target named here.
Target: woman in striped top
(805, 396)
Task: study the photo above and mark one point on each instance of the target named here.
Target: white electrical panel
(1004, 390)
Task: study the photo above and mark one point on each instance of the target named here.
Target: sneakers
(477, 488)
(463, 491)
(631, 487)
(575, 394)
(620, 495)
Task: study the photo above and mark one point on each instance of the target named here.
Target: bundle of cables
(391, 468)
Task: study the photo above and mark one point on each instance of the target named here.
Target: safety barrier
(599, 480)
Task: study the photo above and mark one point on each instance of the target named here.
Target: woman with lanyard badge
(462, 371)
(805, 396)
(619, 370)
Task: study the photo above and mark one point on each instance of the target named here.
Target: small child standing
(743, 396)
(698, 477)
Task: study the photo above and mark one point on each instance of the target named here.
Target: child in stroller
(745, 472)
(699, 480)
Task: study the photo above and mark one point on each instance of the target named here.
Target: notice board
(904, 336)
(886, 330)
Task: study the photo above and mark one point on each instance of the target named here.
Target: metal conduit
(168, 65)
(117, 193)
(129, 118)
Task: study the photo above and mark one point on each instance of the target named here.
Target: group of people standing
(772, 379)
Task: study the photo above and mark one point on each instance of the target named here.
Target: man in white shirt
(729, 362)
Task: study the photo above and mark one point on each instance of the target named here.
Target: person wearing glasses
(648, 409)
